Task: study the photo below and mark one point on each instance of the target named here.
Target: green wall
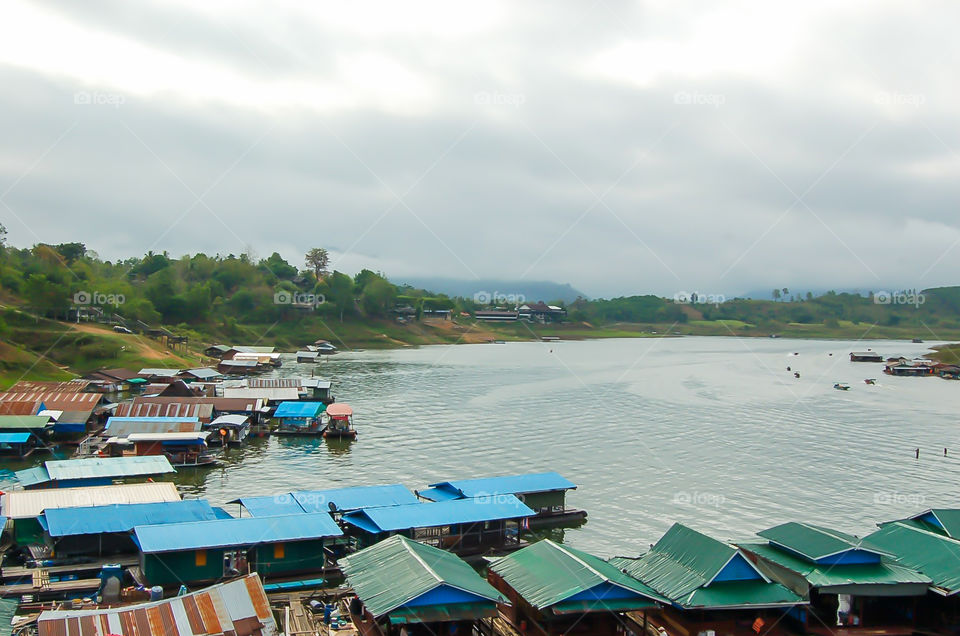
(297, 556)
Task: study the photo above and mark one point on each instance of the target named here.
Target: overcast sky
(620, 147)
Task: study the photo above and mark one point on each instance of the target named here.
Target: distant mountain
(488, 290)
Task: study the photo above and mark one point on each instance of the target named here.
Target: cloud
(622, 148)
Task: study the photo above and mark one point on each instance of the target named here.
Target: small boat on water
(339, 422)
(870, 381)
(840, 386)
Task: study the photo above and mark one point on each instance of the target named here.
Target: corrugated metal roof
(239, 364)
(885, 573)
(946, 520)
(813, 542)
(123, 426)
(396, 572)
(97, 468)
(299, 409)
(30, 422)
(512, 484)
(141, 409)
(237, 607)
(23, 504)
(124, 517)
(929, 553)
(230, 420)
(160, 373)
(56, 400)
(316, 383)
(20, 407)
(202, 373)
(218, 403)
(277, 393)
(14, 438)
(546, 573)
(252, 349)
(168, 437)
(683, 564)
(71, 386)
(428, 515)
(198, 535)
(270, 506)
(274, 383)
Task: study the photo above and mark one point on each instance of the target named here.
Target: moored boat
(339, 422)
(840, 386)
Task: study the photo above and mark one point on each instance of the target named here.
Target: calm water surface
(713, 432)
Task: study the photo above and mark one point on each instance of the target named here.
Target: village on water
(104, 543)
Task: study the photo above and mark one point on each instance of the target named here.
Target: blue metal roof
(95, 468)
(270, 505)
(354, 498)
(299, 409)
(61, 522)
(440, 494)
(512, 484)
(343, 499)
(428, 515)
(14, 438)
(199, 535)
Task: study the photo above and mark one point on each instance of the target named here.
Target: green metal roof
(546, 574)
(947, 518)
(28, 422)
(813, 542)
(390, 574)
(930, 553)
(683, 565)
(824, 576)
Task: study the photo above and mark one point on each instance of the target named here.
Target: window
(278, 551)
(200, 558)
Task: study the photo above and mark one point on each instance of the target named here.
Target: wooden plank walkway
(18, 572)
(51, 587)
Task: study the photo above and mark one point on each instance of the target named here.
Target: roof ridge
(579, 560)
(419, 559)
(832, 533)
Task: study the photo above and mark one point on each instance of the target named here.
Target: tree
(377, 296)
(785, 291)
(71, 251)
(318, 259)
(776, 294)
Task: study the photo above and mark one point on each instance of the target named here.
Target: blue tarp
(299, 409)
(62, 522)
(200, 535)
(512, 484)
(429, 515)
(14, 438)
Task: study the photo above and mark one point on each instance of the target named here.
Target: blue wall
(738, 569)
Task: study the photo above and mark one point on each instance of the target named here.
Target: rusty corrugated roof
(166, 409)
(237, 607)
(72, 386)
(20, 407)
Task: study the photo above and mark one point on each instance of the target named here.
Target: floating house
(184, 450)
(229, 429)
(865, 356)
(337, 500)
(20, 435)
(188, 553)
(308, 356)
(181, 408)
(105, 530)
(238, 367)
(92, 471)
(318, 389)
(202, 374)
(560, 590)
(113, 380)
(216, 351)
(24, 507)
(70, 386)
(121, 427)
(402, 582)
(299, 418)
(268, 395)
(238, 607)
(917, 546)
(711, 585)
(78, 409)
(339, 422)
(463, 526)
(837, 570)
(158, 375)
(545, 493)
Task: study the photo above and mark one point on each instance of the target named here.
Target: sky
(621, 147)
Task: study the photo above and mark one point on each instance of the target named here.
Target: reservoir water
(713, 432)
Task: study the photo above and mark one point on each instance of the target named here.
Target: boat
(339, 422)
(228, 429)
(870, 381)
(917, 340)
(840, 386)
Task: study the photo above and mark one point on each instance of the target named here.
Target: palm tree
(776, 294)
